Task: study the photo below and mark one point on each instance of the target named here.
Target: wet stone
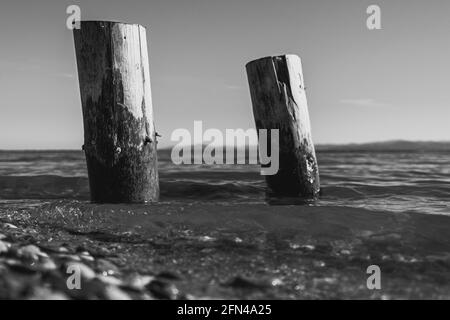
(47, 265)
(21, 268)
(63, 250)
(4, 247)
(163, 290)
(69, 257)
(86, 256)
(90, 288)
(53, 247)
(9, 226)
(31, 252)
(319, 264)
(114, 293)
(137, 282)
(40, 293)
(84, 271)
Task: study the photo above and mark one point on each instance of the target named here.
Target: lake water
(214, 224)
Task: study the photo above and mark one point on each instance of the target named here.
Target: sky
(362, 85)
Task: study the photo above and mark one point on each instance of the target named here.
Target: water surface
(214, 224)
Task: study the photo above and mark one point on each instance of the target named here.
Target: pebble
(138, 282)
(39, 268)
(63, 250)
(4, 247)
(69, 257)
(47, 265)
(46, 294)
(90, 289)
(206, 239)
(9, 226)
(86, 256)
(277, 282)
(319, 264)
(85, 272)
(308, 247)
(112, 292)
(31, 252)
(163, 290)
(52, 247)
(20, 267)
(238, 240)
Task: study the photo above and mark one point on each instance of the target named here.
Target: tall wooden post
(279, 102)
(119, 133)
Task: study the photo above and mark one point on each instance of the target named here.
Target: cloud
(366, 103)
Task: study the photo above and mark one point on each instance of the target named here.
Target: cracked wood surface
(119, 133)
(279, 102)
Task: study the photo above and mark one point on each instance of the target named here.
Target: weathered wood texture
(279, 102)
(119, 133)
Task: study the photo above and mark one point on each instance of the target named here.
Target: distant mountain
(387, 146)
(391, 146)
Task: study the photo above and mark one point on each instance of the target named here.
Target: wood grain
(279, 102)
(119, 133)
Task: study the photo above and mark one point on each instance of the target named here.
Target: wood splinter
(279, 102)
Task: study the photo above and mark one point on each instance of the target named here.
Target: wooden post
(119, 133)
(279, 102)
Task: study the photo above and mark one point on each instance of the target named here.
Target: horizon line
(224, 146)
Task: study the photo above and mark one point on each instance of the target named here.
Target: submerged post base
(279, 102)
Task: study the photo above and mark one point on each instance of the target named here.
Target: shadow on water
(47, 187)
